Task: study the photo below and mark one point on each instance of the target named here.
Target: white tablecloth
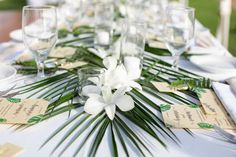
(202, 144)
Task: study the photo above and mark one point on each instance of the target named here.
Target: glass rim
(38, 7)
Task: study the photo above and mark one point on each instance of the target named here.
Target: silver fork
(7, 91)
(228, 136)
(10, 95)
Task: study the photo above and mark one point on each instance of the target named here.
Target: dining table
(201, 143)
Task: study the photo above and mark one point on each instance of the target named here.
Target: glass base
(34, 79)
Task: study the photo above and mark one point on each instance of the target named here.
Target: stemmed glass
(179, 31)
(39, 24)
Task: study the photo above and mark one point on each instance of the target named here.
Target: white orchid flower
(114, 76)
(108, 102)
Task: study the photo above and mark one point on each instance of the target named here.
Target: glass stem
(40, 66)
(176, 62)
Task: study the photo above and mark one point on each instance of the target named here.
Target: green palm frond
(191, 83)
(62, 89)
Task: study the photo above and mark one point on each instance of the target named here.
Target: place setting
(94, 78)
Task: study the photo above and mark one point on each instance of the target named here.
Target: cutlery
(230, 137)
(7, 91)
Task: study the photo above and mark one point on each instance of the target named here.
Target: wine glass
(179, 31)
(39, 25)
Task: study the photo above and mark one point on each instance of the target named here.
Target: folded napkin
(210, 51)
(10, 50)
(232, 83)
(227, 98)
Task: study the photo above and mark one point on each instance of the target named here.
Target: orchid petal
(118, 93)
(110, 63)
(106, 94)
(135, 85)
(110, 111)
(94, 105)
(125, 103)
(117, 77)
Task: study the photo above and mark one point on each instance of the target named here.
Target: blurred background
(207, 12)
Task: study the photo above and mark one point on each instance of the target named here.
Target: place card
(193, 117)
(157, 44)
(62, 52)
(19, 111)
(165, 87)
(210, 102)
(9, 150)
(73, 65)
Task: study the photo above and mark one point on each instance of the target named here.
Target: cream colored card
(157, 44)
(73, 65)
(165, 87)
(62, 52)
(193, 117)
(19, 111)
(183, 116)
(9, 150)
(210, 102)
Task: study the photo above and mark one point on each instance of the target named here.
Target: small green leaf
(35, 119)
(193, 106)
(199, 91)
(14, 100)
(165, 107)
(205, 125)
(3, 120)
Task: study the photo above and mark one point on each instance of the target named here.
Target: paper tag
(163, 86)
(182, 116)
(193, 117)
(73, 65)
(210, 102)
(19, 111)
(157, 44)
(62, 52)
(9, 150)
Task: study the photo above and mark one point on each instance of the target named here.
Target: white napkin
(232, 83)
(10, 50)
(210, 51)
(227, 97)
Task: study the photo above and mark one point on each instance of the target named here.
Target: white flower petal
(94, 105)
(135, 85)
(125, 103)
(110, 62)
(106, 94)
(110, 111)
(95, 80)
(90, 89)
(117, 77)
(118, 93)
